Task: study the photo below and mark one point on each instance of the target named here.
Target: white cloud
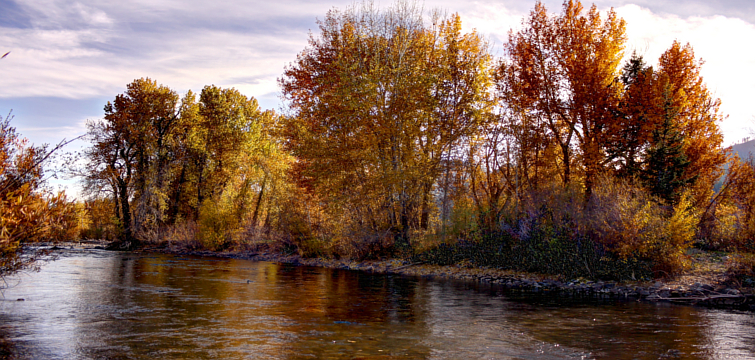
(94, 48)
(718, 40)
(493, 20)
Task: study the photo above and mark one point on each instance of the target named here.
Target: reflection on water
(103, 305)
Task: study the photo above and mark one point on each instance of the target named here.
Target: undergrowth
(556, 254)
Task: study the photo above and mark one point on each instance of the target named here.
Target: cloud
(90, 49)
(715, 39)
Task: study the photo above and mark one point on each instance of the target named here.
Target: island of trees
(403, 136)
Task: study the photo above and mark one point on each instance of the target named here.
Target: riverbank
(706, 283)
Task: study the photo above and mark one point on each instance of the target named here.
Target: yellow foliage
(463, 222)
(219, 221)
(634, 225)
(97, 219)
(678, 235)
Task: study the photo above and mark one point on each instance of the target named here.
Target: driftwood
(702, 298)
(709, 299)
(406, 266)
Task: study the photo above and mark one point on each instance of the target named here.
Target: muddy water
(103, 305)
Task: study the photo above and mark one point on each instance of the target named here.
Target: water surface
(93, 304)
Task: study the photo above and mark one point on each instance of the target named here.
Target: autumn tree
(28, 214)
(109, 168)
(217, 131)
(129, 154)
(743, 198)
(563, 70)
(698, 118)
(377, 99)
(165, 161)
(672, 97)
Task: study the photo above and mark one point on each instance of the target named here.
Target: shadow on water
(102, 305)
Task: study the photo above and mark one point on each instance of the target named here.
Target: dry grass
(706, 267)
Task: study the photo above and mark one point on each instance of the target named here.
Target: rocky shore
(708, 294)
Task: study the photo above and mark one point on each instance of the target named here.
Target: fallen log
(406, 266)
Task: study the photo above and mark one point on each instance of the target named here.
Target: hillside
(744, 149)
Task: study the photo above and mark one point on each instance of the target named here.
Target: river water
(92, 304)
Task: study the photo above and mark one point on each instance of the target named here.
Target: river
(93, 304)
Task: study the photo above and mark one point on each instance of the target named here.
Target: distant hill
(745, 149)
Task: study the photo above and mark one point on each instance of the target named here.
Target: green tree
(666, 175)
(629, 136)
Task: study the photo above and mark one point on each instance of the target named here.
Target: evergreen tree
(631, 132)
(665, 159)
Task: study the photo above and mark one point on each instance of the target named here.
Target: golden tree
(378, 99)
(129, 155)
(698, 118)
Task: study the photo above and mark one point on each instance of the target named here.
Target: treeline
(404, 136)
(160, 161)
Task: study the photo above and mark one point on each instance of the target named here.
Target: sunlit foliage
(379, 98)
(28, 214)
(403, 136)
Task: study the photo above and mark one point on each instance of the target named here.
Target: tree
(378, 98)
(665, 175)
(110, 168)
(631, 133)
(672, 102)
(27, 214)
(130, 152)
(218, 132)
(697, 119)
(563, 70)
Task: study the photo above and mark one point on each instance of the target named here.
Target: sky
(68, 58)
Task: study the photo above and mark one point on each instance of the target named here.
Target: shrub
(218, 223)
(27, 214)
(728, 223)
(99, 220)
(551, 234)
(634, 225)
(310, 230)
(742, 269)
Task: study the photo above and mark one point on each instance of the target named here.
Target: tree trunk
(125, 211)
(259, 201)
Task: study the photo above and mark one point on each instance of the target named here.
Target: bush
(220, 221)
(555, 233)
(728, 222)
(742, 269)
(27, 214)
(541, 253)
(99, 222)
(633, 225)
(622, 233)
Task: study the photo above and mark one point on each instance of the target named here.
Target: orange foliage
(562, 70)
(698, 117)
(27, 215)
